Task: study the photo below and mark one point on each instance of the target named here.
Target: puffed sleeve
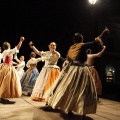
(43, 56)
(12, 51)
(38, 59)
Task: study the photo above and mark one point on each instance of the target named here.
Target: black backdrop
(43, 21)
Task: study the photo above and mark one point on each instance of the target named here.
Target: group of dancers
(74, 89)
(32, 82)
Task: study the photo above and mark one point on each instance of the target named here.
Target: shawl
(74, 50)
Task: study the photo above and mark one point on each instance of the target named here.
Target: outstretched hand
(98, 39)
(31, 43)
(106, 29)
(22, 38)
(103, 32)
(104, 47)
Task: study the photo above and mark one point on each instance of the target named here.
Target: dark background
(44, 21)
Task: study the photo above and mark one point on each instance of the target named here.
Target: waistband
(78, 63)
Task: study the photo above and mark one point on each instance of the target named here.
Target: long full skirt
(28, 80)
(10, 86)
(96, 77)
(44, 81)
(74, 90)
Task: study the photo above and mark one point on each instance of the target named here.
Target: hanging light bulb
(92, 1)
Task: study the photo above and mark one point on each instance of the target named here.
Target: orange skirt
(38, 93)
(54, 73)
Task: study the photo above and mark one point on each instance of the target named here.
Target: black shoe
(83, 117)
(46, 104)
(29, 94)
(5, 101)
(70, 114)
(48, 108)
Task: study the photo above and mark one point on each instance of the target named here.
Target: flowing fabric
(10, 86)
(44, 81)
(74, 89)
(28, 80)
(47, 76)
(97, 80)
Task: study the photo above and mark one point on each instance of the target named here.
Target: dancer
(29, 78)
(20, 65)
(74, 90)
(90, 63)
(10, 86)
(49, 72)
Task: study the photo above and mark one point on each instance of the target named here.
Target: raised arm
(99, 38)
(101, 52)
(16, 58)
(34, 48)
(38, 59)
(103, 32)
(20, 42)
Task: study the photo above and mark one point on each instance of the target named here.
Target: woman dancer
(20, 65)
(49, 72)
(10, 86)
(90, 63)
(74, 90)
(29, 78)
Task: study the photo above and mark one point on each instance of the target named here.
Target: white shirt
(50, 59)
(33, 61)
(8, 52)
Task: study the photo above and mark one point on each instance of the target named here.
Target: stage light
(92, 1)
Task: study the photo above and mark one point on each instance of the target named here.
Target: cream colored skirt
(74, 90)
(44, 81)
(10, 86)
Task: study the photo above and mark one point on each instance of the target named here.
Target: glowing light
(93, 1)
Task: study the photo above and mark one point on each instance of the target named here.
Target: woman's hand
(31, 43)
(103, 32)
(106, 30)
(22, 38)
(104, 47)
(98, 39)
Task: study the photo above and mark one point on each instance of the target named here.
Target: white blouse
(9, 53)
(33, 61)
(50, 59)
(21, 64)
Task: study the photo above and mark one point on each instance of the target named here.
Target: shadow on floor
(64, 115)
